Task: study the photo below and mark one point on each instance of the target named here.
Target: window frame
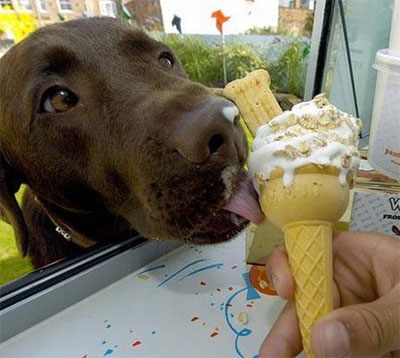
(104, 10)
(39, 5)
(323, 18)
(47, 291)
(61, 10)
(24, 6)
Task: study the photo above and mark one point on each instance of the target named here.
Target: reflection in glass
(368, 29)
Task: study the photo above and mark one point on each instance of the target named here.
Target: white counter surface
(184, 304)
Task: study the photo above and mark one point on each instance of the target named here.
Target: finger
(367, 330)
(278, 271)
(283, 340)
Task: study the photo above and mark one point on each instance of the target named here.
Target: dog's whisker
(177, 227)
(119, 210)
(190, 223)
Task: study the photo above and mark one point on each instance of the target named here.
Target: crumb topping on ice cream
(313, 132)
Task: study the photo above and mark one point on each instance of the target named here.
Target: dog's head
(97, 116)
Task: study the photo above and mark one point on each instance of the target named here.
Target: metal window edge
(319, 45)
(36, 308)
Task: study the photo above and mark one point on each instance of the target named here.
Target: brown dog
(103, 126)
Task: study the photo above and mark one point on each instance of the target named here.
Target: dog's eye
(166, 60)
(57, 99)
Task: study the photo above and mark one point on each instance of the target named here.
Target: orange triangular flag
(221, 18)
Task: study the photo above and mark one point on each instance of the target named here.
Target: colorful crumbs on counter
(230, 288)
(136, 343)
(195, 318)
(212, 335)
(108, 326)
(108, 352)
(203, 283)
(143, 277)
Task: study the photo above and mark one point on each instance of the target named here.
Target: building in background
(296, 16)
(298, 4)
(51, 11)
(146, 14)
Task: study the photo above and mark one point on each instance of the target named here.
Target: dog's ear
(10, 182)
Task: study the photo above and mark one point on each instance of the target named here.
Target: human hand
(366, 321)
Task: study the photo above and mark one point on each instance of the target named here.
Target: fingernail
(331, 339)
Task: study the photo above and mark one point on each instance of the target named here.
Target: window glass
(368, 30)
(217, 41)
(42, 5)
(108, 8)
(65, 5)
(26, 4)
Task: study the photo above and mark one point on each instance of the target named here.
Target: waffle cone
(306, 213)
(309, 249)
(255, 99)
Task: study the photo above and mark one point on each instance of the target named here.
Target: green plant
(289, 71)
(12, 265)
(241, 59)
(308, 27)
(268, 31)
(201, 61)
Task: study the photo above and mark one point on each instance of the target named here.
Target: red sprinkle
(195, 318)
(212, 335)
(218, 289)
(230, 288)
(233, 267)
(134, 344)
(84, 356)
(202, 283)
(249, 305)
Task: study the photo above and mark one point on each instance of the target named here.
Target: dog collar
(66, 231)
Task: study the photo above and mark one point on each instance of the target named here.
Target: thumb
(366, 330)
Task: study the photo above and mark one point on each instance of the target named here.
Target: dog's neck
(83, 229)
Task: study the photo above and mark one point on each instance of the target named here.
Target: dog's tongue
(245, 202)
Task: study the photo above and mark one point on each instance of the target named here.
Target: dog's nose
(211, 127)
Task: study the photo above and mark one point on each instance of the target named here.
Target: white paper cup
(384, 144)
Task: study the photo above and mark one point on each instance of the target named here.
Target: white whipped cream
(314, 132)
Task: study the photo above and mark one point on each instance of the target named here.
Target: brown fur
(133, 153)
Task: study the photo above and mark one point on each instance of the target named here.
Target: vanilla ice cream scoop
(313, 132)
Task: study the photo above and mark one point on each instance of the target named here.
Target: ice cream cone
(303, 163)
(306, 212)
